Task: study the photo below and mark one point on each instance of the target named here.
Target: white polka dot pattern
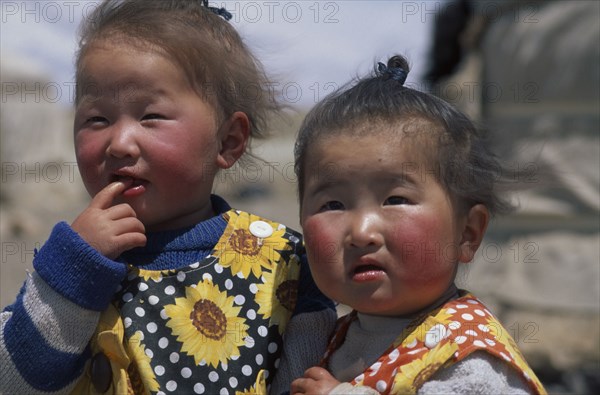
(144, 299)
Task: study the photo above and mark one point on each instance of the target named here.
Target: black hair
(465, 165)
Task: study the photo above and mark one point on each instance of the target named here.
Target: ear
(234, 134)
(473, 231)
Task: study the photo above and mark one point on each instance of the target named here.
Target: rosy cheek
(89, 158)
(322, 242)
(439, 243)
(90, 145)
(425, 251)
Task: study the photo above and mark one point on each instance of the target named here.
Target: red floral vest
(434, 341)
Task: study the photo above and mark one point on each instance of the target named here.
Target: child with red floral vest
(396, 190)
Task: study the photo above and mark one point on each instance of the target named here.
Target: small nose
(365, 231)
(123, 141)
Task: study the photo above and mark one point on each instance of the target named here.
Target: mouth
(134, 186)
(367, 270)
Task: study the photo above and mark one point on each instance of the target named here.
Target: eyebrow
(321, 187)
(406, 179)
(132, 86)
(128, 94)
(403, 179)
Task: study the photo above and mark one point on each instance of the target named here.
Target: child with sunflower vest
(396, 190)
(159, 286)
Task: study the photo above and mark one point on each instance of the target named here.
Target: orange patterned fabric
(437, 340)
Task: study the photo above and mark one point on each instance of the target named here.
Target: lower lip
(369, 275)
(134, 191)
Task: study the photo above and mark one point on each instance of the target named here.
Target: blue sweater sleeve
(76, 270)
(44, 342)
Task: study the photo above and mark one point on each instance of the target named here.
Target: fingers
(117, 237)
(126, 231)
(298, 386)
(128, 241)
(126, 225)
(316, 380)
(316, 373)
(111, 230)
(123, 210)
(106, 196)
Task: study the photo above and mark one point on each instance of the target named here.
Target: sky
(309, 47)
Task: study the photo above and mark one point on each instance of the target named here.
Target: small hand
(111, 230)
(316, 380)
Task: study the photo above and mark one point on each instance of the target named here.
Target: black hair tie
(222, 12)
(394, 73)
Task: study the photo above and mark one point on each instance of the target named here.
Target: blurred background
(528, 72)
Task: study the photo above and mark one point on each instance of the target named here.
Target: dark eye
(96, 120)
(332, 205)
(396, 200)
(150, 117)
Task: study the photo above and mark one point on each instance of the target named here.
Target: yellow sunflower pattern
(414, 374)
(206, 322)
(501, 335)
(259, 388)
(141, 377)
(278, 294)
(155, 275)
(216, 324)
(417, 330)
(245, 253)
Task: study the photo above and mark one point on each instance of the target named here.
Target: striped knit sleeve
(45, 333)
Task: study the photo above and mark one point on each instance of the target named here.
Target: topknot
(396, 69)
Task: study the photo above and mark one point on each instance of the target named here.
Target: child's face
(140, 121)
(380, 230)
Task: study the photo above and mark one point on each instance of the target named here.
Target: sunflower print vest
(435, 341)
(214, 327)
